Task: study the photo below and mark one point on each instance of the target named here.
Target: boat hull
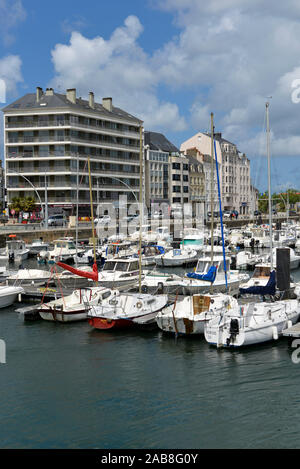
(104, 324)
(63, 316)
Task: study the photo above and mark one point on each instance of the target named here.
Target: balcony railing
(68, 123)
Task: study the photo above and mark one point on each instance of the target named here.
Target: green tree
(22, 204)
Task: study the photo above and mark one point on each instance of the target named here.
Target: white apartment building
(236, 183)
(157, 167)
(48, 138)
(179, 180)
(234, 171)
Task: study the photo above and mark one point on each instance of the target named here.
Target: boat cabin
(204, 264)
(261, 271)
(121, 265)
(15, 245)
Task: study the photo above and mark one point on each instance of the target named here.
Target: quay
(293, 331)
(32, 231)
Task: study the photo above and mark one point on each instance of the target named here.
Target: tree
(22, 204)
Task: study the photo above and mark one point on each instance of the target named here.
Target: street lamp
(29, 182)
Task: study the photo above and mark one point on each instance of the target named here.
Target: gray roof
(159, 142)
(193, 160)
(28, 102)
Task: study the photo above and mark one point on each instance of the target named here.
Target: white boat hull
(8, 295)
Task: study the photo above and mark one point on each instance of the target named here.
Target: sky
(170, 63)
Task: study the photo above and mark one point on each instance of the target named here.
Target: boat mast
(77, 194)
(212, 191)
(141, 209)
(269, 186)
(92, 211)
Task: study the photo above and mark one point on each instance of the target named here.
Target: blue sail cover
(268, 289)
(209, 276)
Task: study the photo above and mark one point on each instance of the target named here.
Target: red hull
(101, 323)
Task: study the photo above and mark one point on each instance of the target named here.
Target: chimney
(49, 92)
(39, 93)
(107, 104)
(71, 95)
(91, 100)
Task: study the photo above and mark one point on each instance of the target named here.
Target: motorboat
(29, 277)
(177, 258)
(294, 258)
(193, 238)
(120, 273)
(245, 260)
(37, 246)
(64, 250)
(127, 310)
(189, 315)
(74, 307)
(161, 282)
(210, 275)
(9, 294)
(15, 251)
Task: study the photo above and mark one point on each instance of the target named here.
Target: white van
(57, 220)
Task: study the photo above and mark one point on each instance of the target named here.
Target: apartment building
(48, 137)
(179, 180)
(210, 190)
(236, 183)
(157, 167)
(234, 170)
(199, 146)
(197, 186)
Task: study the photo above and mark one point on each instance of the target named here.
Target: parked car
(102, 220)
(4, 219)
(226, 214)
(292, 212)
(57, 220)
(257, 213)
(216, 214)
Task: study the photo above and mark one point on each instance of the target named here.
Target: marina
(149, 229)
(112, 370)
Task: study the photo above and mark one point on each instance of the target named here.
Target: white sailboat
(74, 307)
(252, 323)
(189, 315)
(127, 310)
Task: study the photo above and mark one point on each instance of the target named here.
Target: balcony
(71, 123)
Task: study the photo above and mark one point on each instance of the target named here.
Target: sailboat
(255, 322)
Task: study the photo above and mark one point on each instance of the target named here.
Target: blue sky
(170, 63)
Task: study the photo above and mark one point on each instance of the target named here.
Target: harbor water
(69, 386)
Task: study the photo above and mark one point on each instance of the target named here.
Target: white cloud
(10, 72)
(240, 53)
(11, 13)
(116, 67)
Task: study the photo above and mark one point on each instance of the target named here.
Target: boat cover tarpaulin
(209, 276)
(81, 273)
(268, 289)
